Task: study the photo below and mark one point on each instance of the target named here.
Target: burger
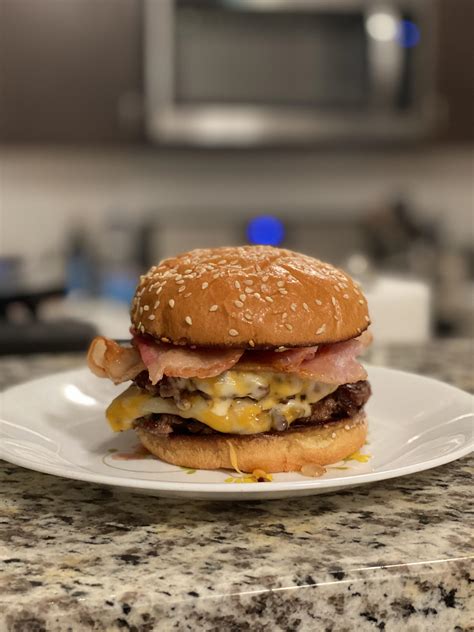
(242, 358)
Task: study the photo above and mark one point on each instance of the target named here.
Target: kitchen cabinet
(455, 78)
(70, 71)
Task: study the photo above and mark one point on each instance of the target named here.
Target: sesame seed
(181, 289)
(151, 317)
(159, 290)
(265, 278)
(157, 303)
(213, 308)
(251, 343)
(333, 436)
(222, 262)
(249, 290)
(187, 295)
(164, 339)
(188, 271)
(142, 329)
(171, 302)
(204, 285)
(337, 288)
(216, 276)
(367, 318)
(141, 310)
(321, 330)
(269, 299)
(333, 301)
(293, 307)
(361, 301)
(346, 296)
(189, 320)
(257, 295)
(280, 283)
(305, 307)
(284, 316)
(237, 285)
(238, 303)
(289, 327)
(243, 297)
(248, 282)
(318, 302)
(146, 308)
(180, 282)
(356, 292)
(282, 291)
(347, 427)
(233, 332)
(248, 315)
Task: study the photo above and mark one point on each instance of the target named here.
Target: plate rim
(213, 488)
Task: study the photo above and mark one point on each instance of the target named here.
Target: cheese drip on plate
(235, 402)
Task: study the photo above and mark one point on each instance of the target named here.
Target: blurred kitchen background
(135, 129)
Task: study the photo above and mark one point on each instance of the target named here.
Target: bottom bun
(285, 451)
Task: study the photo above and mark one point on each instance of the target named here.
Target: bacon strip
(335, 364)
(161, 359)
(106, 358)
(331, 364)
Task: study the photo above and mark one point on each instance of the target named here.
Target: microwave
(259, 72)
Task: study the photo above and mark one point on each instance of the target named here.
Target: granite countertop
(388, 556)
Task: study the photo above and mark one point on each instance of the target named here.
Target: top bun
(256, 297)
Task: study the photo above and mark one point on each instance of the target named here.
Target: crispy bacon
(332, 364)
(162, 359)
(106, 358)
(335, 364)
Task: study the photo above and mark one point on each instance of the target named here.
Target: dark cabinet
(455, 77)
(70, 70)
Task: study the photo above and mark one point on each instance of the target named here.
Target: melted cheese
(235, 402)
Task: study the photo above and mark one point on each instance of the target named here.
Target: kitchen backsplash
(48, 190)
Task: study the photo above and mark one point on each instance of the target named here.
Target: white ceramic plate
(56, 425)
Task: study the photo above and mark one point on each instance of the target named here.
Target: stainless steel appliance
(250, 72)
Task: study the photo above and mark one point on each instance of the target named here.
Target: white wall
(42, 190)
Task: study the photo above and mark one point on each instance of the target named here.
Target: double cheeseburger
(242, 357)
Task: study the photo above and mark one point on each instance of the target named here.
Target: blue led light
(265, 230)
(408, 34)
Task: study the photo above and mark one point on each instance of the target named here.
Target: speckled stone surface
(396, 555)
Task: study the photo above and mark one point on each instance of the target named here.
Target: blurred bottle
(119, 267)
(80, 269)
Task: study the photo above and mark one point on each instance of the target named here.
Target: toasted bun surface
(287, 451)
(248, 297)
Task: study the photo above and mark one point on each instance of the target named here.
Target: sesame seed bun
(284, 451)
(248, 297)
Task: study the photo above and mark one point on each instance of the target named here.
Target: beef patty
(345, 401)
